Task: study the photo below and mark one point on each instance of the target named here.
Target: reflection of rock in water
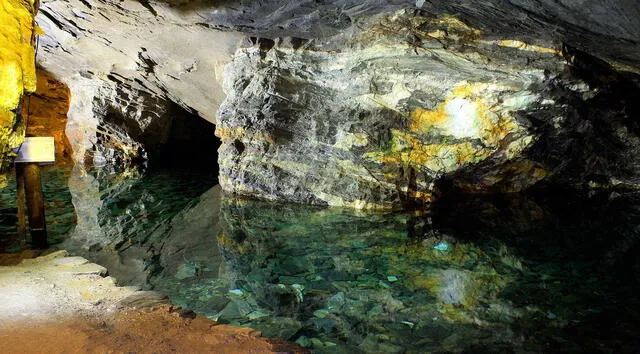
(365, 281)
(398, 282)
(508, 273)
(138, 226)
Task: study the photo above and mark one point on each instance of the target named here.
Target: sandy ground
(62, 304)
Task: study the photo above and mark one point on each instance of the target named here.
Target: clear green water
(537, 273)
(60, 212)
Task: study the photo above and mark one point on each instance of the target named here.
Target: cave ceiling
(177, 48)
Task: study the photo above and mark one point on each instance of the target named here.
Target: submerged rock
(280, 327)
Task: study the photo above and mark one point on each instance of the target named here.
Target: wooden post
(33, 151)
(35, 205)
(22, 223)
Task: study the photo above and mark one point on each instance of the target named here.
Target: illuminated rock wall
(17, 73)
(403, 107)
(377, 122)
(360, 103)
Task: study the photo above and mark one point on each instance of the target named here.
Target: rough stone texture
(133, 71)
(377, 117)
(58, 303)
(57, 286)
(46, 114)
(376, 123)
(17, 74)
(368, 104)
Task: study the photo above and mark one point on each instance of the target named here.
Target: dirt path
(62, 304)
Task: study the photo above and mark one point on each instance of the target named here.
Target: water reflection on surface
(537, 273)
(480, 275)
(60, 214)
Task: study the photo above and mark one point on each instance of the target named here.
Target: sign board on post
(37, 149)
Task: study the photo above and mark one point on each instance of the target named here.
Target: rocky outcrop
(57, 286)
(17, 74)
(133, 72)
(55, 294)
(365, 104)
(374, 121)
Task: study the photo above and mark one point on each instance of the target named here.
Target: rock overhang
(510, 53)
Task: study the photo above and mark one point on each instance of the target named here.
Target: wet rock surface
(504, 280)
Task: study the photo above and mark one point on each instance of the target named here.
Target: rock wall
(366, 104)
(403, 105)
(372, 121)
(46, 114)
(132, 69)
(17, 74)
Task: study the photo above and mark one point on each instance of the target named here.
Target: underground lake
(319, 176)
(533, 272)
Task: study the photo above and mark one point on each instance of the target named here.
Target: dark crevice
(190, 145)
(58, 24)
(147, 5)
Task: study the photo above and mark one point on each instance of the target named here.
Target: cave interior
(350, 176)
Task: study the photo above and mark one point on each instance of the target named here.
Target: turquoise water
(59, 210)
(539, 273)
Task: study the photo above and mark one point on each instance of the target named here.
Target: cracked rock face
(132, 72)
(368, 104)
(378, 123)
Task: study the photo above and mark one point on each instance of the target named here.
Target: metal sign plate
(37, 149)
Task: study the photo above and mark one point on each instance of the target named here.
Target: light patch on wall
(470, 125)
(10, 84)
(463, 120)
(512, 43)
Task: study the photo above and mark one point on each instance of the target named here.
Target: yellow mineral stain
(422, 119)
(493, 125)
(17, 62)
(224, 241)
(229, 133)
(239, 133)
(455, 25)
(520, 45)
(467, 114)
(17, 72)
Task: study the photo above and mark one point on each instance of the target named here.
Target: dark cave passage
(178, 139)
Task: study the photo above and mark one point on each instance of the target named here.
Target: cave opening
(177, 140)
